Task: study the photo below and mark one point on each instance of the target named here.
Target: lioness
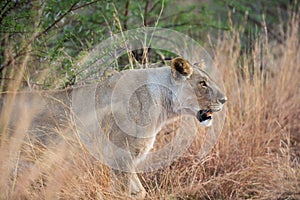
(130, 107)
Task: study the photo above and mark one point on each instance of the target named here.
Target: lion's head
(209, 97)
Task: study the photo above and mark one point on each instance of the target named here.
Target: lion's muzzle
(205, 117)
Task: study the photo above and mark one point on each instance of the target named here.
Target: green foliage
(256, 17)
(54, 32)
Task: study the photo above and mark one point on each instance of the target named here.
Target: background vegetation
(255, 45)
(55, 34)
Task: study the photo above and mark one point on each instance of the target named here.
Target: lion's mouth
(205, 117)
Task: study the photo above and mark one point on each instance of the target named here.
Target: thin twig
(170, 16)
(21, 52)
(126, 14)
(154, 6)
(6, 11)
(84, 5)
(56, 21)
(146, 13)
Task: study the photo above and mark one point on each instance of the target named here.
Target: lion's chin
(205, 117)
(207, 123)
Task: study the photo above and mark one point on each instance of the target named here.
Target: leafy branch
(23, 50)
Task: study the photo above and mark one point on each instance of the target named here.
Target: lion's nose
(223, 100)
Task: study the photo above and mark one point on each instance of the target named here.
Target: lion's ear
(181, 67)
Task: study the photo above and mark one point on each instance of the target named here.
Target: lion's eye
(203, 84)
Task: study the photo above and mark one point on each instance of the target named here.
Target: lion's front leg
(136, 188)
(130, 183)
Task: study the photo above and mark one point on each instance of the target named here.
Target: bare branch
(146, 13)
(5, 12)
(154, 6)
(126, 14)
(56, 21)
(84, 5)
(3, 7)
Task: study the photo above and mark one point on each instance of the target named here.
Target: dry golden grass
(257, 155)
